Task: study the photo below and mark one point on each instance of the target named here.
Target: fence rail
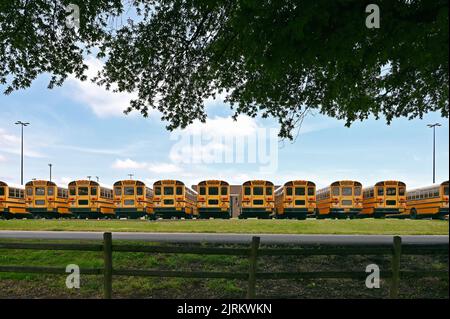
(396, 250)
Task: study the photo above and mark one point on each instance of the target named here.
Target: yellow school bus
(46, 200)
(171, 198)
(341, 199)
(132, 199)
(295, 199)
(257, 199)
(12, 202)
(213, 199)
(431, 201)
(87, 199)
(385, 198)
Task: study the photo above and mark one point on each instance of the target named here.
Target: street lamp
(434, 148)
(21, 152)
(131, 176)
(50, 165)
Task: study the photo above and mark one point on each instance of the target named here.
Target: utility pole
(50, 165)
(434, 148)
(21, 149)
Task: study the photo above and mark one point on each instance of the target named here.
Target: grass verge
(310, 226)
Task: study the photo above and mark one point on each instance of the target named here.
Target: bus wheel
(413, 213)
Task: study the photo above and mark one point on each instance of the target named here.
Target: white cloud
(102, 102)
(10, 143)
(164, 168)
(127, 164)
(2, 158)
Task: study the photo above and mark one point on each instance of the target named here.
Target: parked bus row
(213, 199)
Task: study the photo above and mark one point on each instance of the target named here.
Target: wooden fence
(396, 250)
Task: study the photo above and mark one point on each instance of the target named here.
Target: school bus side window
(50, 191)
(247, 191)
(94, 191)
(380, 191)
(224, 191)
(2, 191)
(357, 191)
(335, 191)
(72, 191)
(139, 191)
(289, 191)
(269, 191)
(310, 191)
(446, 191)
(157, 190)
(179, 190)
(30, 191)
(118, 191)
(202, 191)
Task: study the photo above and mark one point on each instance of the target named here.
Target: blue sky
(81, 130)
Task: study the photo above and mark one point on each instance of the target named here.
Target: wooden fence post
(107, 271)
(252, 268)
(395, 280)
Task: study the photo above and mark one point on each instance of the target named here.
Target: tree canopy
(277, 59)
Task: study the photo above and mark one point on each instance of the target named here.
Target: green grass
(19, 285)
(44, 285)
(310, 226)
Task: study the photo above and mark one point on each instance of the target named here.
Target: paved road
(230, 238)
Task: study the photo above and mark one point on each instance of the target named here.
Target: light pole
(434, 148)
(21, 149)
(131, 176)
(50, 165)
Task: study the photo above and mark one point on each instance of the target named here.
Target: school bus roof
(168, 182)
(39, 182)
(346, 182)
(213, 181)
(299, 182)
(12, 185)
(129, 182)
(390, 182)
(86, 182)
(258, 182)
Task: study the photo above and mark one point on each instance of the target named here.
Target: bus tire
(413, 213)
